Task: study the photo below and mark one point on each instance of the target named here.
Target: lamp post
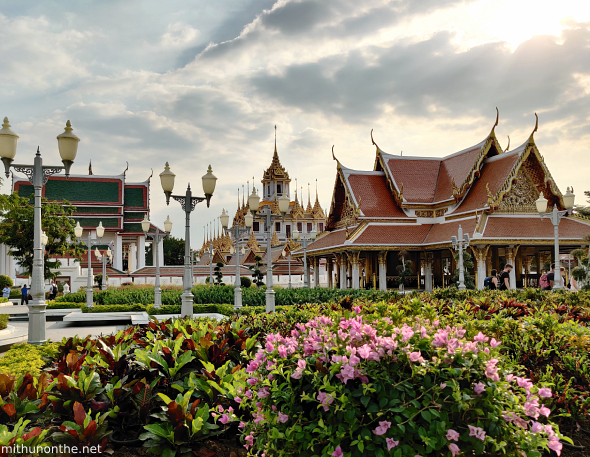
(460, 244)
(268, 218)
(289, 262)
(89, 243)
(188, 203)
(157, 236)
(238, 232)
(38, 175)
(108, 256)
(555, 217)
(304, 242)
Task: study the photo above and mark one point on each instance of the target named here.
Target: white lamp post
(268, 218)
(38, 175)
(460, 244)
(238, 232)
(304, 242)
(555, 217)
(289, 262)
(108, 257)
(78, 230)
(188, 203)
(157, 236)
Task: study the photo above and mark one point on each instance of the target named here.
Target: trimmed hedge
(62, 305)
(3, 299)
(226, 310)
(27, 358)
(3, 321)
(137, 307)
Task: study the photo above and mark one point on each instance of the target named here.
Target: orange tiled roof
(442, 233)
(455, 167)
(494, 173)
(335, 238)
(533, 227)
(375, 197)
(393, 234)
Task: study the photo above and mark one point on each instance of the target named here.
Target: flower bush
(346, 387)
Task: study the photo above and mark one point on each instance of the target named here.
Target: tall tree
(17, 227)
(173, 252)
(585, 210)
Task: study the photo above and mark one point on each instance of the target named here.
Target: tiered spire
(309, 208)
(252, 243)
(276, 170)
(317, 211)
(274, 241)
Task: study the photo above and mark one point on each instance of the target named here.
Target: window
(309, 227)
(321, 227)
(277, 226)
(288, 231)
(256, 226)
(300, 226)
(279, 189)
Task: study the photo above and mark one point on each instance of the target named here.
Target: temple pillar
(354, 258)
(382, 257)
(316, 271)
(511, 252)
(489, 267)
(428, 283)
(132, 257)
(343, 271)
(306, 272)
(480, 254)
(141, 252)
(118, 254)
(161, 253)
(329, 272)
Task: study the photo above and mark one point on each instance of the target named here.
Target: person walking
(52, 290)
(6, 292)
(550, 278)
(505, 277)
(24, 295)
(491, 283)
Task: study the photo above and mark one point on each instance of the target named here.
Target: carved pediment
(522, 195)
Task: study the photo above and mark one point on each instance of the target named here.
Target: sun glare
(515, 21)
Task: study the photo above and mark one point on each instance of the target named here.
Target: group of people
(25, 292)
(546, 281)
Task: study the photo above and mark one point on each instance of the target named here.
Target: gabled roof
(533, 227)
(369, 189)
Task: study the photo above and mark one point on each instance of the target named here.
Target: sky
(199, 82)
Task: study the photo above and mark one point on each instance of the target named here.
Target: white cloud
(179, 35)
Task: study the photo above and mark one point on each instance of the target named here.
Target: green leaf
(425, 415)
(365, 400)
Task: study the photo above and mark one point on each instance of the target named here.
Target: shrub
(245, 282)
(4, 300)
(226, 310)
(62, 305)
(137, 307)
(5, 281)
(348, 388)
(27, 358)
(3, 321)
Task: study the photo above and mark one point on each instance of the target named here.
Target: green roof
(76, 191)
(134, 197)
(110, 222)
(133, 227)
(97, 209)
(135, 215)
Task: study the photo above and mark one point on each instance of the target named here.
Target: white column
(428, 286)
(161, 252)
(316, 271)
(141, 251)
(118, 254)
(382, 257)
(481, 273)
(510, 258)
(329, 273)
(343, 270)
(354, 259)
(133, 257)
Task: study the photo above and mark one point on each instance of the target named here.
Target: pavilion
(413, 205)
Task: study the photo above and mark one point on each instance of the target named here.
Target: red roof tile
(374, 194)
(419, 177)
(533, 227)
(393, 234)
(335, 238)
(442, 233)
(494, 172)
(457, 167)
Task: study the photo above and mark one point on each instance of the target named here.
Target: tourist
(564, 284)
(491, 282)
(6, 292)
(505, 277)
(52, 290)
(24, 295)
(550, 278)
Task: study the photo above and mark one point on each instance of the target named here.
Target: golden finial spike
(497, 117)
(316, 190)
(372, 140)
(507, 147)
(333, 156)
(536, 123)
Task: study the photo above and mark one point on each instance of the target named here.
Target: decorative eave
(396, 192)
(355, 206)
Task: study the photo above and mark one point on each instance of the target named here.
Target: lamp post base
(89, 298)
(270, 301)
(187, 305)
(37, 322)
(157, 298)
(238, 297)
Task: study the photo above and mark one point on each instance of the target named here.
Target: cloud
(179, 35)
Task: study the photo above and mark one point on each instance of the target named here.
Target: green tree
(257, 275)
(585, 210)
(218, 274)
(173, 252)
(16, 231)
(404, 270)
(467, 266)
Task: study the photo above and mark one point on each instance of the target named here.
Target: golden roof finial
(507, 147)
(316, 190)
(497, 118)
(276, 154)
(243, 203)
(373, 141)
(206, 233)
(274, 241)
(531, 140)
(90, 168)
(309, 208)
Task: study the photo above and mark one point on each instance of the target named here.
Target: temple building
(410, 207)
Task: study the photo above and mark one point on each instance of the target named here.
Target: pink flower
(224, 419)
(364, 351)
(443, 385)
(382, 429)
(390, 443)
(242, 425)
(252, 381)
(282, 351)
(338, 452)
(536, 427)
(480, 338)
(545, 392)
(282, 418)
(544, 411)
(555, 445)
(301, 363)
(297, 374)
(416, 357)
(479, 388)
(248, 394)
(454, 449)
(477, 432)
(237, 399)
(452, 435)
(494, 343)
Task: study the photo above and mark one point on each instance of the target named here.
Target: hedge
(62, 305)
(3, 299)
(137, 307)
(3, 321)
(27, 358)
(226, 310)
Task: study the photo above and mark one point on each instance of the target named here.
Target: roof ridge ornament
(531, 139)
(507, 147)
(373, 141)
(497, 118)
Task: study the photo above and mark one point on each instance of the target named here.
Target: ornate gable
(522, 195)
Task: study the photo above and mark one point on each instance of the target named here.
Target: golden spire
(309, 208)
(276, 170)
(531, 140)
(252, 243)
(317, 211)
(274, 241)
(243, 203)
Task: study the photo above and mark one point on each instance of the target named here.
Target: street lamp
(555, 217)
(304, 242)
(460, 244)
(104, 258)
(188, 203)
(289, 261)
(238, 233)
(157, 235)
(38, 175)
(267, 217)
(78, 230)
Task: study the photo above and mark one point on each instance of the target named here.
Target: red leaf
(79, 414)
(33, 433)
(91, 429)
(8, 408)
